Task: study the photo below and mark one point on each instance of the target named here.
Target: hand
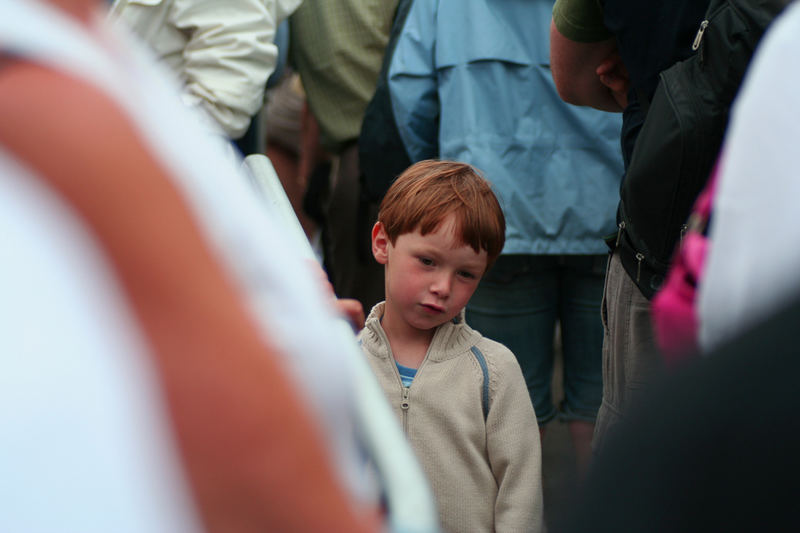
(350, 308)
(613, 74)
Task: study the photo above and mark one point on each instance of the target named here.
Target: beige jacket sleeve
(227, 58)
(513, 447)
(221, 51)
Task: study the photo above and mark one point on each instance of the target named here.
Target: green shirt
(337, 47)
(580, 20)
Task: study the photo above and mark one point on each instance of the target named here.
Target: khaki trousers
(630, 358)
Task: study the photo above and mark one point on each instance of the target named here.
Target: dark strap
(485, 369)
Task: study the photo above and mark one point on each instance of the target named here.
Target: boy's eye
(467, 275)
(426, 261)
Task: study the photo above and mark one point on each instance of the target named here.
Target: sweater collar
(450, 339)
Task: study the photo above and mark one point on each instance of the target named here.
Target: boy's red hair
(428, 191)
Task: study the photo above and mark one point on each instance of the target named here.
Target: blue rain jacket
(470, 81)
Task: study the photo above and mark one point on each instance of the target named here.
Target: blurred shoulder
(58, 115)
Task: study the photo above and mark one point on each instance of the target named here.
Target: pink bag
(673, 308)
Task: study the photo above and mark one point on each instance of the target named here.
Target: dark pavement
(559, 475)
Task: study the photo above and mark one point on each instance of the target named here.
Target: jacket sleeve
(228, 57)
(412, 82)
(513, 447)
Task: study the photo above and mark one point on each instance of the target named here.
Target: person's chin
(426, 320)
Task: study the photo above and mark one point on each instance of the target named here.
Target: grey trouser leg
(630, 358)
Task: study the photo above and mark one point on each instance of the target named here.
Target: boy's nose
(440, 286)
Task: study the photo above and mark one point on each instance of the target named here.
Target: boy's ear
(380, 243)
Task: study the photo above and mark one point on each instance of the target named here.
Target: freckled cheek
(409, 285)
(465, 292)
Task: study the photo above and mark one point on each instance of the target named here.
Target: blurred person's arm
(254, 457)
(228, 57)
(585, 64)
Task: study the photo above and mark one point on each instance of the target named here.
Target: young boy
(461, 397)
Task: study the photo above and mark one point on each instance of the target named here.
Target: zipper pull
(699, 37)
(684, 228)
(619, 232)
(404, 403)
(639, 257)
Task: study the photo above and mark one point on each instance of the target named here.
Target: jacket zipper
(639, 255)
(404, 406)
(405, 403)
(621, 226)
(699, 37)
(406, 391)
(639, 258)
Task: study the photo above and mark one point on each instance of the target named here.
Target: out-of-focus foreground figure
(156, 371)
(751, 266)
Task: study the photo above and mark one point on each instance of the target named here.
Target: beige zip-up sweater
(485, 474)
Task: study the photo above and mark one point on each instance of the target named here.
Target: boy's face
(429, 279)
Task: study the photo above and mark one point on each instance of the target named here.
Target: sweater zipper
(404, 406)
(405, 403)
(406, 391)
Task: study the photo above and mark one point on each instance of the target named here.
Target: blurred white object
(751, 269)
(84, 440)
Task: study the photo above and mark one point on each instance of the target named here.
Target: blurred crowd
(486, 192)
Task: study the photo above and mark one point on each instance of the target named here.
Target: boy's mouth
(434, 309)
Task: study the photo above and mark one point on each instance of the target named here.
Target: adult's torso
(651, 36)
(555, 167)
(337, 47)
